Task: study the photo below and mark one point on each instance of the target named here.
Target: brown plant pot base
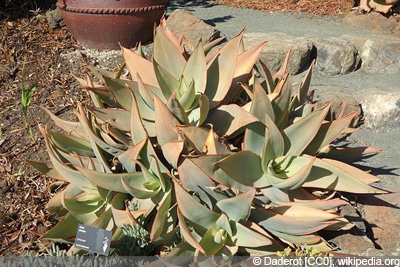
(112, 23)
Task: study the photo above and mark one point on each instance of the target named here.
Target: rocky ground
(50, 56)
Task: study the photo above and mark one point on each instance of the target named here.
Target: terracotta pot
(103, 24)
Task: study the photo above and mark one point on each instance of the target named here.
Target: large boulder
(378, 53)
(381, 108)
(183, 22)
(335, 56)
(273, 54)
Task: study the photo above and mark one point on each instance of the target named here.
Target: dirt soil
(27, 37)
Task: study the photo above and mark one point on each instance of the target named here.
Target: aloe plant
(208, 158)
(383, 6)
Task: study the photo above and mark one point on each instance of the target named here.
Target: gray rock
(379, 54)
(381, 107)
(54, 19)
(182, 21)
(335, 56)
(273, 54)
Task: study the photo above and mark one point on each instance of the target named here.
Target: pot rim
(61, 4)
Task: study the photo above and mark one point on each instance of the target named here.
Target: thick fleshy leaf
(137, 128)
(168, 83)
(120, 92)
(228, 119)
(283, 69)
(310, 125)
(103, 95)
(328, 132)
(247, 59)
(197, 137)
(54, 206)
(303, 90)
(261, 104)
(145, 93)
(65, 229)
(201, 217)
(269, 83)
(245, 168)
(170, 35)
(281, 100)
(165, 123)
(244, 64)
(297, 239)
(167, 54)
(210, 147)
(129, 157)
(334, 175)
(100, 73)
(291, 176)
(255, 132)
(68, 173)
(204, 105)
(195, 179)
(273, 220)
(192, 177)
(196, 70)
(74, 128)
(254, 138)
(349, 154)
(305, 214)
(215, 238)
(120, 215)
(142, 185)
(97, 143)
(299, 197)
(145, 190)
(176, 108)
(210, 45)
(116, 117)
(274, 143)
(76, 200)
(161, 218)
(247, 237)
(172, 151)
(70, 144)
(104, 221)
(139, 65)
(237, 208)
(187, 95)
(187, 234)
(221, 70)
(117, 136)
(47, 169)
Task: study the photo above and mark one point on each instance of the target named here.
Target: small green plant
(303, 251)
(135, 242)
(26, 98)
(55, 251)
(208, 157)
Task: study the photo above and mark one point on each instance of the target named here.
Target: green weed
(26, 98)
